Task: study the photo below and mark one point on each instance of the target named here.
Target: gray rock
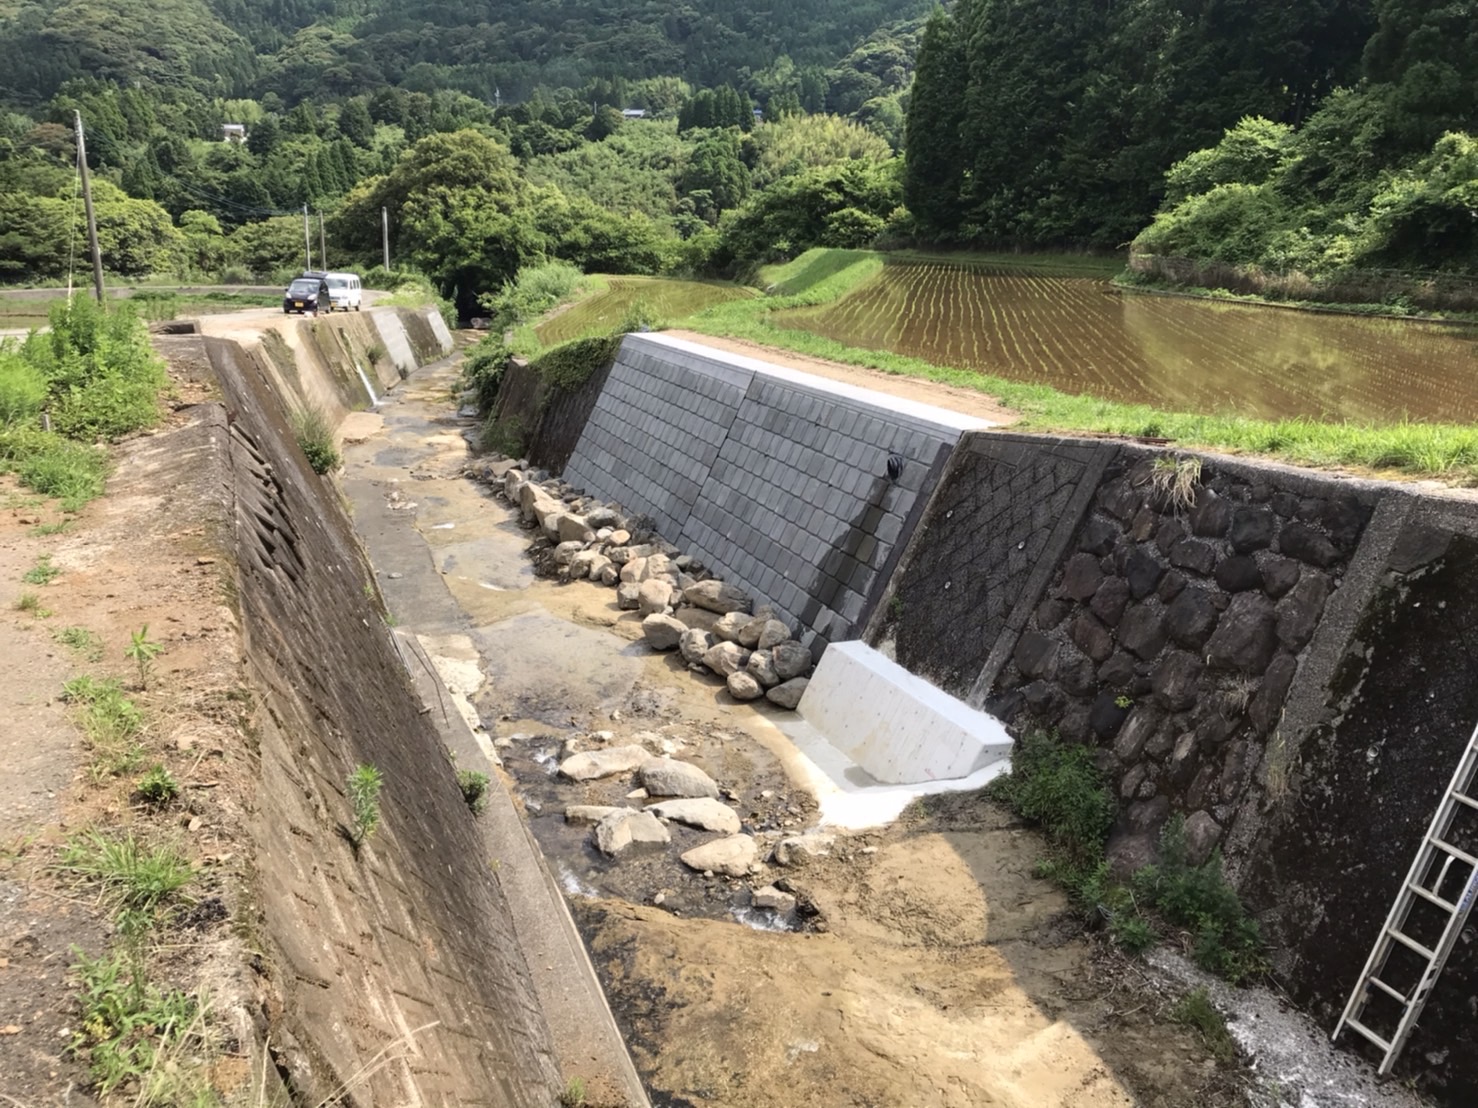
(666, 777)
(1246, 636)
(623, 829)
(791, 659)
(718, 596)
(1191, 618)
(695, 644)
(1092, 637)
(773, 899)
(628, 596)
(731, 856)
(1299, 611)
(604, 517)
(1136, 732)
(798, 850)
(1109, 601)
(772, 634)
(653, 596)
(631, 571)
(702, 812)
(573, 528)
(656, 566)
(1035, 654)
(1272, 690)
(591, 813)
(550, 525)
(1081, 577)
(1051, 612)
(663, 632)
(725, 658)
(1201, 836)
(1142, 572)
(1212, 514)
(744, 686)
(1099, 537)
(748, 635)
(588, 563)
(608, 574)
(1279, 574)
(788, 694)
(730, 625)
(590, 764)
(1176, 680)
(1142, 632)
(762, 669)
(1194, 555)
(565, 552)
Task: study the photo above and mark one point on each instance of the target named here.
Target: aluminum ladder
(1429, 873)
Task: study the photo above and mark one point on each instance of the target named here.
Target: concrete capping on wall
(775, 479)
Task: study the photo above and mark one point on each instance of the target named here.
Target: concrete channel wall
(392, 971)
(1284, 659)
(776, 480)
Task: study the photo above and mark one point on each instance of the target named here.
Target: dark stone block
(1142, 631)
(1144, 720)
(1042, 699)
(1252, 529)
(1006, 707)
(1170, 532)
(1117, 672)
(1194, 555)
(1246, 636)
(1301, 541)
(1191, 618)
(1267, 704)
(1202, 793)
(1310, 509)
(1035, 654)
(1211, 516)
(1052, 612)
(1149, 815)
(1214, 728)
(1183, 760)
(1162, 742)
(1202, 833)
(1105, 716)
(1081, 577)
(1237, 769)
(1133, 780)
(1279, 574)
(1417, 547)
(1072, 724)
(1285, 504)
(1075, 674)
(1144, 524)
(1108, 602)
(1092, 637)
(1299, 611)
(1099, 536)
(1176, 680)
(1238, 574)
(1260, 493)
(1344, 520)
(1142, 572)
(1171, 586)
(1130, 851)
(1120, 499)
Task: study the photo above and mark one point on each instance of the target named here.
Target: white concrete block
(896, 726)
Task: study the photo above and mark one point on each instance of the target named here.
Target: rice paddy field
(661, 298)
(1082, 335)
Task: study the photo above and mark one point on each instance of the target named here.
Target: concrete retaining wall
(777, 480)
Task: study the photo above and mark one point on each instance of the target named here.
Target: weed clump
(474, 786)
(1196, 1010)
(110, 723)
(316, 438)
(129, 1026)
(365, 784)
(1057, 786)
(158, 787)
(137, 879)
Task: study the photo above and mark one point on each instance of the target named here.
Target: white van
(345, 291)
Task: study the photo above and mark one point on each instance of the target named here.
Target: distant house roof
(634, 113)
(758, 114)
(233, 132)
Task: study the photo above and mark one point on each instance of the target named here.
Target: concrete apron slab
(410, 459)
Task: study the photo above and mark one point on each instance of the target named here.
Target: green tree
(715, 168)
(355, 123)
(934, 170)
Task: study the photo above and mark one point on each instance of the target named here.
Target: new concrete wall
(776, 480)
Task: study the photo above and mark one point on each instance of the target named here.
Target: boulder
(1252, 529)
(1246, 635)
(788, 694)
(1299, 611)
(695, 644)
(1099, 536)
(653, 596)
(773, 899)
(1035, 654)
(702, 812)
(666, 777)
(730, 625)
(725, 658)
(798, 850)
(663, 632)
(655, 566)
(628, 596)
(1081, 577)
(772, 634)
(1307, 545)
(588, 563)
(1239, 573)
(565, 552)
(732, 856)
(1194, 555)
(550, 526)
(623, 829)
(1177, 680)
(748, 635)
(1108, 602)
(1191, 618)
(1212, 514)
(717, 596)
(599, 518)
(590, 764)
(608, 574)
(762, 669)
(744, 686)
(619, 537)
(1092, 637)
(531, 498)
(791, 659)
(1142, 632)
(1142, 572)
(1279, 574)
(1201, 836)
(573, 528)
(631, 571)
(590, 813)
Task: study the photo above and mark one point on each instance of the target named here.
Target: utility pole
(322, 242)
(385, 235)
(92, 223)
(307, 242)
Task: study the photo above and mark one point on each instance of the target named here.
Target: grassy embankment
(1448, 451)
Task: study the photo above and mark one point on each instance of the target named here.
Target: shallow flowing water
(1083, 335)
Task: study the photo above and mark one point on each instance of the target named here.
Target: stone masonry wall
(776, 480)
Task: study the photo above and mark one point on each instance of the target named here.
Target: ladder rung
(1468, 800)
(1408, 941)
(1445, 905)
(1390, 992)
(1460, 855)
(1355, 1025)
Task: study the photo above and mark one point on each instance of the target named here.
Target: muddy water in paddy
(1082, 335)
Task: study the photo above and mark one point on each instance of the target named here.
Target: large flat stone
(702, 812)
(591, 764)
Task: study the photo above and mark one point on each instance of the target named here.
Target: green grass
(1445, 450)
(73, 472)
(1195, 1010)
(315, 436)
(42, 573)
(474, 786)
(131, 876)
(83, 641)
(364, 785)
(662, 298)
(110, 723)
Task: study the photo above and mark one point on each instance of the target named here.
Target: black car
(306, 294)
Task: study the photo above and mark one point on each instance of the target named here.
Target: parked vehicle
(306, 295)
(345, 291)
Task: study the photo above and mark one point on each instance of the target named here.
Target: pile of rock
(748, 645)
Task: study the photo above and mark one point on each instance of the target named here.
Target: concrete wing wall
(775, 479)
